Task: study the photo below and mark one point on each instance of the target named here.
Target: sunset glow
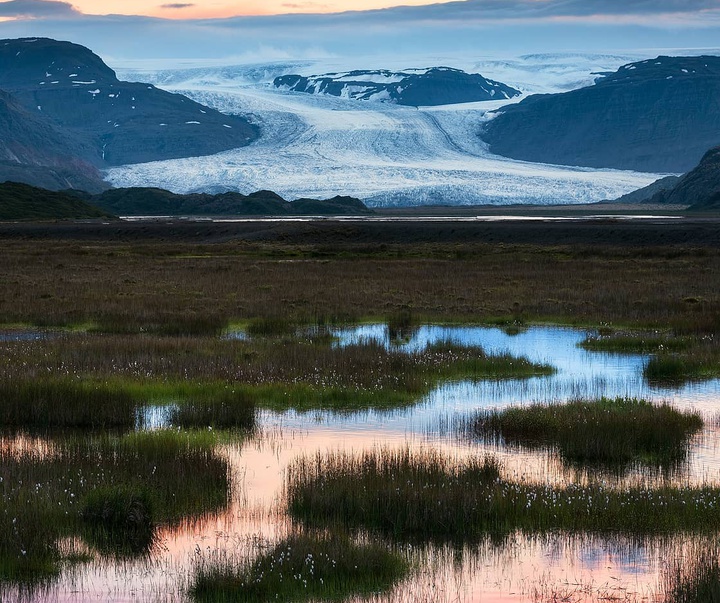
(215, 9)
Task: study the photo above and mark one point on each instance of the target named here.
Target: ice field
(321, 146)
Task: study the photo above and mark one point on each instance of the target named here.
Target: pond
(520, 568)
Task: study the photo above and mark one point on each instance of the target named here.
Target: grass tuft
(99, 487)
(301, 568)
(227, 410)
(118, 520)
(671, 368)
(425, 497)
(49, 403)
(609, 432)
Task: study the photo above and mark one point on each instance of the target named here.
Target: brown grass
(184, 287)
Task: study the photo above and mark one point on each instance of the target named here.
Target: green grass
(271, 326)
(278, 373)
(609, 432)
(44, 402)
(638, 343)
(80, 486)
(426, 497)
(302, 567)
(226, 410)
(118, 520)
(672, 368)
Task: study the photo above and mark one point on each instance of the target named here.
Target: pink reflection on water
(519, 570)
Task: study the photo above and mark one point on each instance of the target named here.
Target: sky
(210, 9)
(264, 30)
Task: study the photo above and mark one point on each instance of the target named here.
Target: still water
(579, 568)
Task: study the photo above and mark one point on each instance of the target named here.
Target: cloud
(177, 5)
(305, 6)
(521, 10)
(37, 9)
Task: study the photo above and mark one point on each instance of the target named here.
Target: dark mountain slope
(699, 188)
(33, 150)
(413, 87)
(111, 122)
(659, 115)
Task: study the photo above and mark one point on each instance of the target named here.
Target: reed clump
(639, 343)
(118, 520)
(301, 568)
(679, 368)
(108, 489)
(229, 409)
(426, 497)
(609, 432)
(45, 402)
(694, 578)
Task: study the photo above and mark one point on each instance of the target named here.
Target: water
(524, 568)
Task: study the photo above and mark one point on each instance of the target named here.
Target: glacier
(319, 146)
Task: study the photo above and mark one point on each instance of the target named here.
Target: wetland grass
(679, 368)
(228, 409)
(44, 402)
(275, 373)
(303, 567)
(427, 497)
(613, 433)
(695, 579)
(118, 520)
(137, 285)
(99, 486)
(638, 343)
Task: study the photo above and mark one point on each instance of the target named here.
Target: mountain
(659, 115)
(646, 193)
(103, 120)
(33, 150)
(24, 202)
(699, 188)
(159, 202)
(413, 87)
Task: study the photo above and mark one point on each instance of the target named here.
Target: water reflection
(524, 568)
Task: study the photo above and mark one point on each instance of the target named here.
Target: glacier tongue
(319, 146)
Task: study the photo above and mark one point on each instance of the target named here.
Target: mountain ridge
(658, 115)
(411, 87)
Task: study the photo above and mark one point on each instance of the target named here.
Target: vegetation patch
(301, 568)
(43, 402)
(228, 409)
(427, 497)
(275, 373)
(609, 432)
(694, 578)
(109, 489)
(676, 368)
(118, 520)
(638, 343)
